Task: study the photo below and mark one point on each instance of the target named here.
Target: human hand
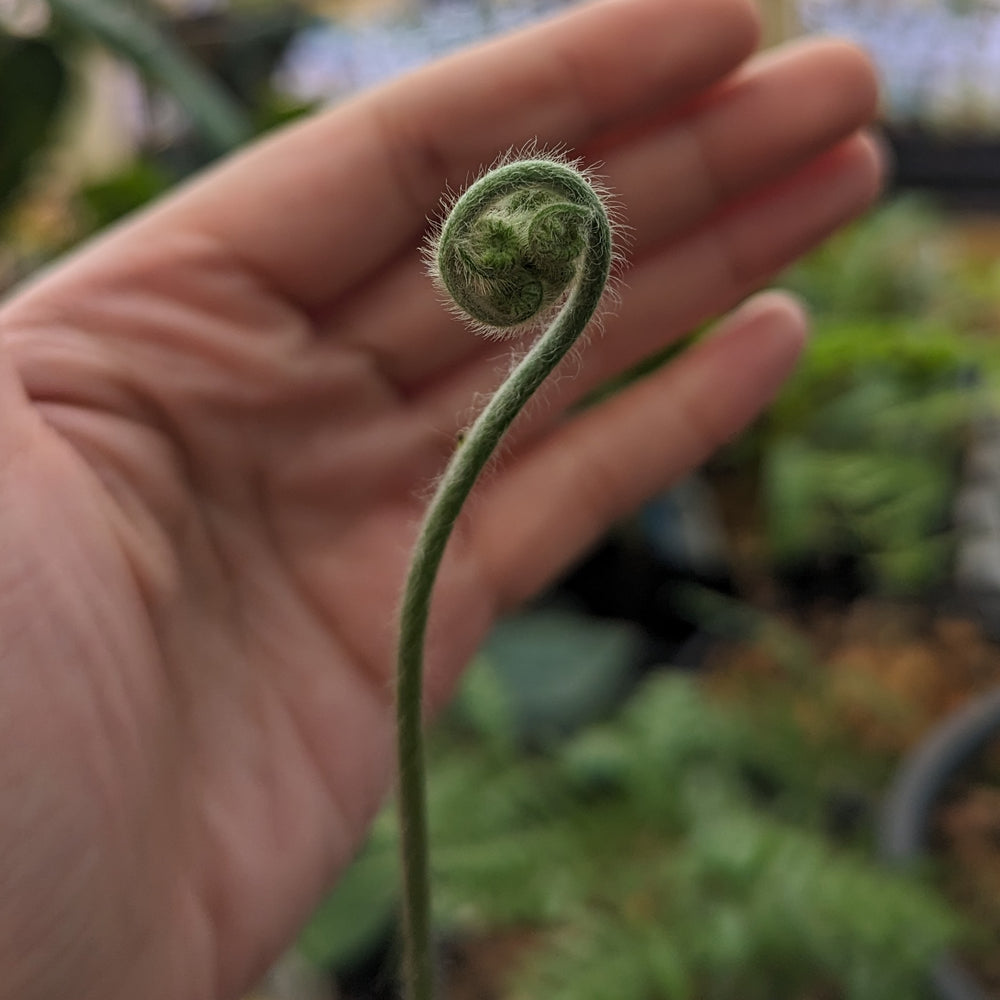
(217, 427)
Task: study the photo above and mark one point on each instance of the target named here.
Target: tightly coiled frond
(512, 245)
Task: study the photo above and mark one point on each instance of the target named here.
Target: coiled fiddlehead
(528, 239)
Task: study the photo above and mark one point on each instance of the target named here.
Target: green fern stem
(525, 237)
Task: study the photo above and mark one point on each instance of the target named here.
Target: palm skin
(217, 427)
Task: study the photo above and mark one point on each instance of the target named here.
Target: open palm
(217, 427)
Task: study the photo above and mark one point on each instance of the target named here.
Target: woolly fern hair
(505, 253)
(528, 243)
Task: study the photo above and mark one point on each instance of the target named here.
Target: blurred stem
(119, 27)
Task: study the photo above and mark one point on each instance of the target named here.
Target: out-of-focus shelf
(962, 171)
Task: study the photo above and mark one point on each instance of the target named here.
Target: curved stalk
(512, 245)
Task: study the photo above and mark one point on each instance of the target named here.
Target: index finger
(319, 206)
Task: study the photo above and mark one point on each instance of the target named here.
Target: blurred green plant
(124, 30)
(541, 702)
(863, 450)
(111, 198)
(860, 455)
(886, 266)
(677, 850)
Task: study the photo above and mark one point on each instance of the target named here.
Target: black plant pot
(917, 789)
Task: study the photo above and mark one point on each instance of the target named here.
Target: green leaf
(33, 85)
(126, 31)
(560, 670)
(114, 197)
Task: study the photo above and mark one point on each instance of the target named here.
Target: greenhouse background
(681, 758)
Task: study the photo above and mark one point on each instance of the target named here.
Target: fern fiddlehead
(530, 238)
